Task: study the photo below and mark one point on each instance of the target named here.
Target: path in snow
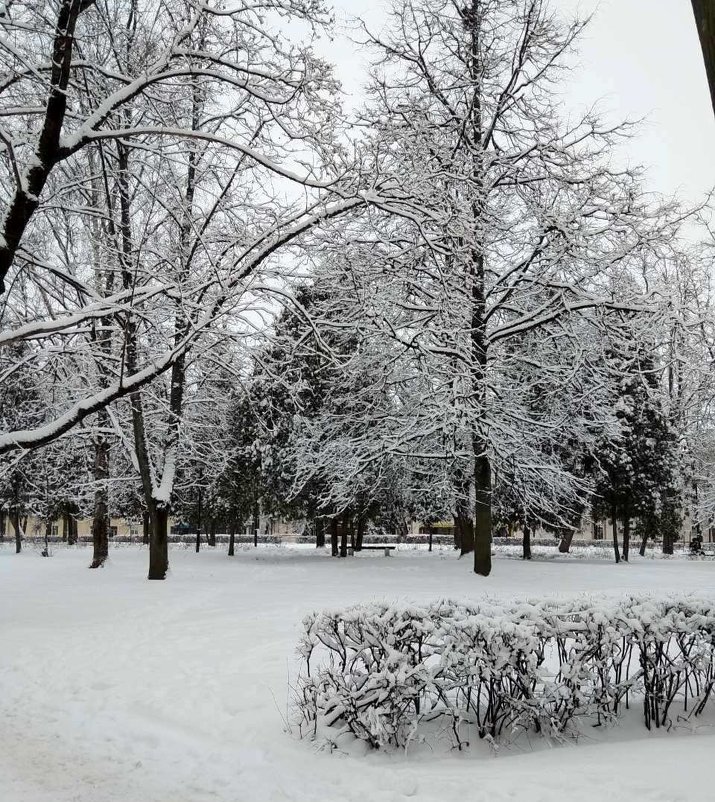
(115, 689)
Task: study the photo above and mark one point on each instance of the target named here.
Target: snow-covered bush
(391, 674)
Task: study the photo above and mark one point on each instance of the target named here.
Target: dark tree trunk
(319, 533)
(212, 532)
(566, 540)
(256, 523)
(482, 512)
(429, 537)
(65, 525)
(48, 533)
(526, 542)
(344, 535)
(146, 527)
(334, 537)
(15, 520)
(644, 543)
(100, 519)
(360, 533)
(159, 541)
(3, 520)
(668, 543)
(704, 11)
(626, 537)
(616, 552)
(232, 538)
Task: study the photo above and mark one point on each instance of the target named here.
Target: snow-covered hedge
(392, 674)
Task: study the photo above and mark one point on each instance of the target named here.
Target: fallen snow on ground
(115, 689)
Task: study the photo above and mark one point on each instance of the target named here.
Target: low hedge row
(392, 674)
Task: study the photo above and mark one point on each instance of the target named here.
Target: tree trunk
(482, 512)
(2, 525)
(344, 535)
(526, 542)
(616, 552)
(668, 543)
(232, 538)
(159, 541)
(644, 543)
(626, 537)
(704, 11)
(146, 527)
(429, 537)
(212, 532)
(15, 520)
(334, 537)
(256, 523)
(100, 519)
(319, 533)
(566, 540)
(48, 532)
(65, 526)
(360, 533)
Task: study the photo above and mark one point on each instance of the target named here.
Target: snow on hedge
(391, 675)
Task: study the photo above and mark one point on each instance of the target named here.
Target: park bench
(386, 549)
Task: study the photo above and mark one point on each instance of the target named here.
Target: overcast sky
(639, 58)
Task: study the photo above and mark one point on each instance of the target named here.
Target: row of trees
(484, 318)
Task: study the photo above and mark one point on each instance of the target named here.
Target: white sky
(638, 58)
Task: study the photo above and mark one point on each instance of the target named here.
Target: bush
(389, 674)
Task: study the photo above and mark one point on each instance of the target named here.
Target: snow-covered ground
(115, 689)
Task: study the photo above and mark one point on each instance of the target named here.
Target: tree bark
(212, 532)
(644, 543)
(626, 536)
(482, 514)
(334, 537)
(319, 533)
(146, 527)
(704, 11)
(100, 519)
(256, 523)
(526, 542)
(616, 552)
(429, 536)
(232, 538)
(159, 542)
(344, 535)
(360, 533)
(15, 519)
(3, 520)
(566, 540)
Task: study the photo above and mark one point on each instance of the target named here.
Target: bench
(386, 549)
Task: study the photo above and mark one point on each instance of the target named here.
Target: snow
(116, 689)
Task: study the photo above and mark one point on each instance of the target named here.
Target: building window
(133, 529)
(112, 531)
(55, 530)
(598, 531)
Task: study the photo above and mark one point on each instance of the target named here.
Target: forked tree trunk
(526, 542)
(334, 537)
(566, 540)
(616, 552)
(644, 543)
(482, 513)
(159, 541)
